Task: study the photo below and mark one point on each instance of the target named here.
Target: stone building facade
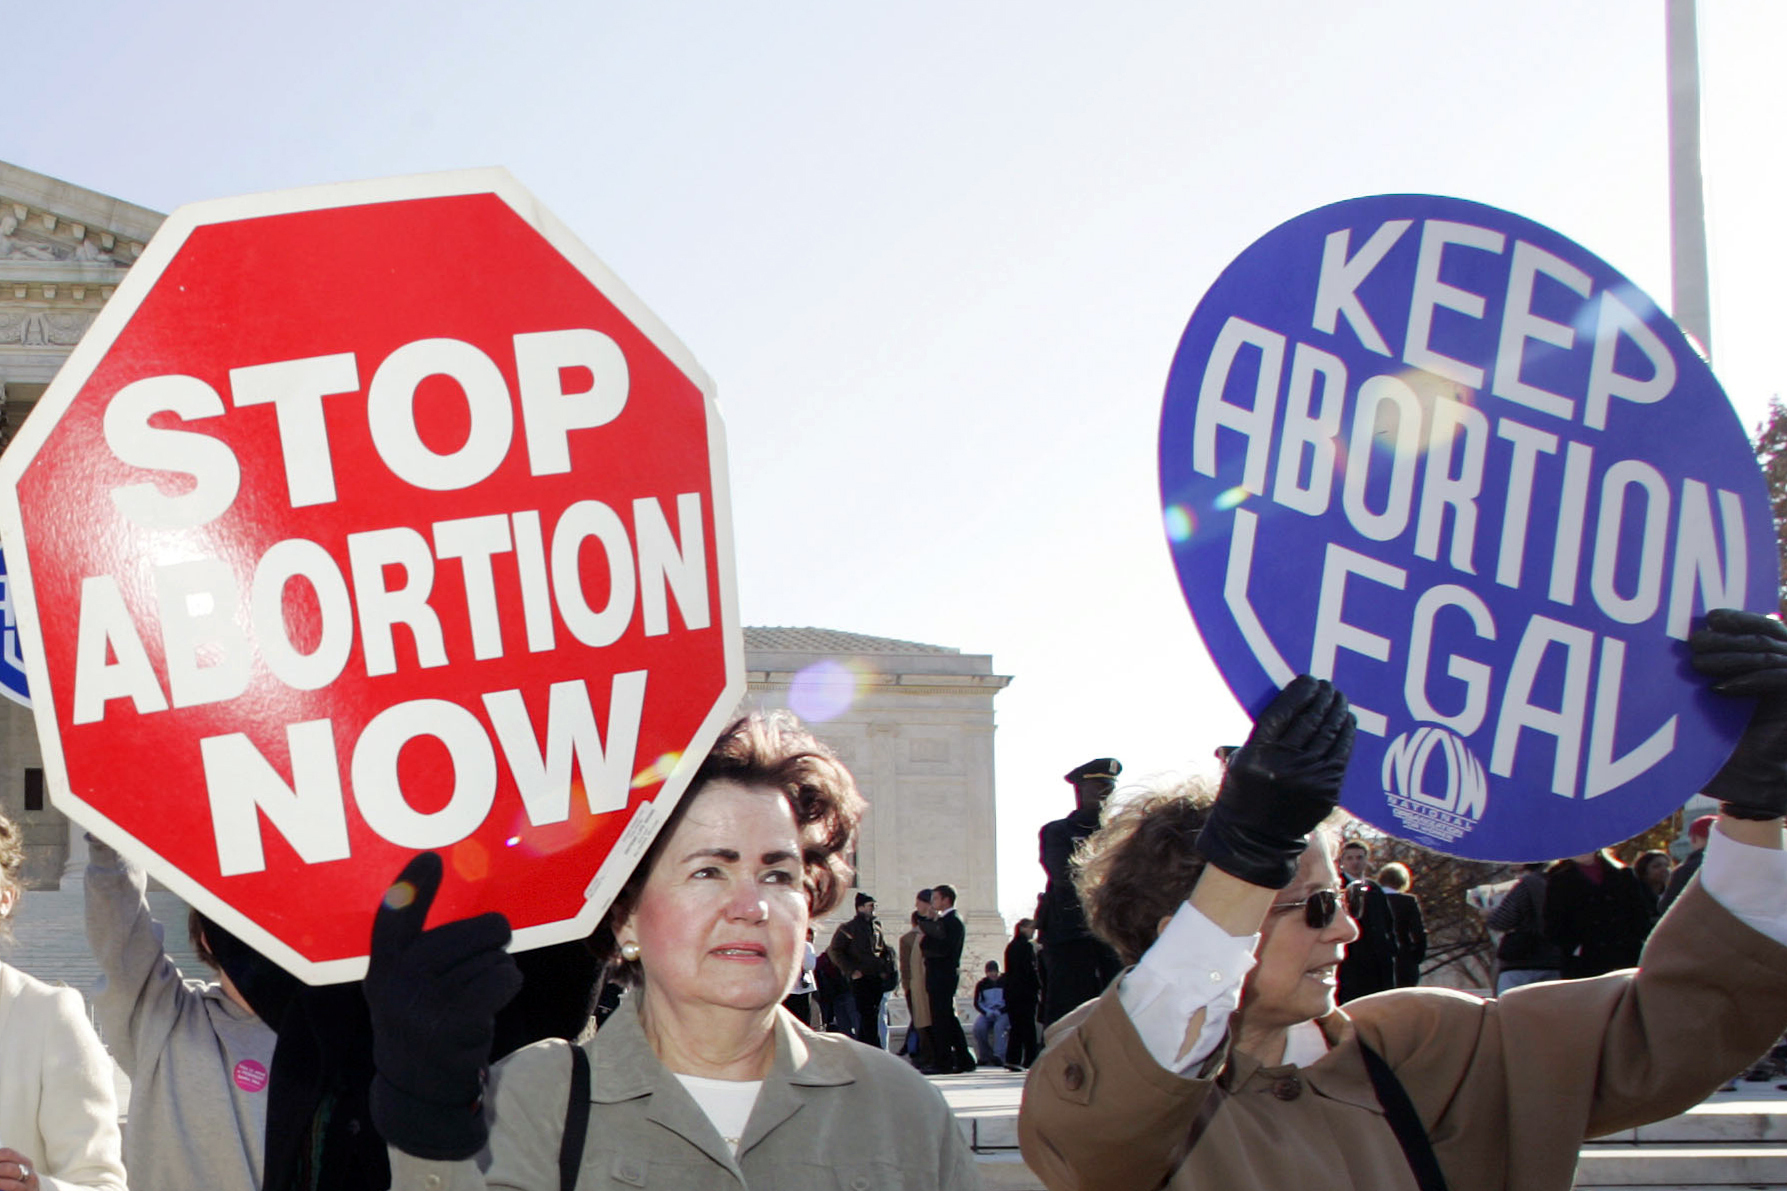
(915, 725)
(63, 251)
(914, 722)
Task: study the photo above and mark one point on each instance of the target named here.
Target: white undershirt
(1195, 964)
(727, 1103)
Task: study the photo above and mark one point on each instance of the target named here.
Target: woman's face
(722, 918)
(1293, 978)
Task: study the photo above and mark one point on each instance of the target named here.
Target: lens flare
(1231, 498)
(552, 839)
(823, 691)
(1181, 523)
(400, 896)
(470, 860)
(657, 771)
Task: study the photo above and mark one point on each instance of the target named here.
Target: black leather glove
(1747, 653)
(1280, 785)
(433, 996)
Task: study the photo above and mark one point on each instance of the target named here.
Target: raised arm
(139, 998)
(1620, 1050)
(1111, 1101)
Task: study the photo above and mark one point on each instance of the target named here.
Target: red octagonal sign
(368, 519)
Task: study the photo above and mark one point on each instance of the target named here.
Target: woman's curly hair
(12, 859)
(764, 749)
(1140, 865)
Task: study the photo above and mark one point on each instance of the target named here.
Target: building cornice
(905, 684)
(98, 213)
(58, 273)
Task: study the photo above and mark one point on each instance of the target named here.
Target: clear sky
(937, 256)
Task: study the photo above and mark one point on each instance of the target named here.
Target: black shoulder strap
(570, 1149)
(1403, 1122)
(1206, 1113)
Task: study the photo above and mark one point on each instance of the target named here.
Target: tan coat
(912, 975)
(833, 1115)
(1508, 1090)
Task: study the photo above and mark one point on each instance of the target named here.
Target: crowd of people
(854, 977)
(1191, 954)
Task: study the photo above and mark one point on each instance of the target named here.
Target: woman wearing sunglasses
(1222, 1060)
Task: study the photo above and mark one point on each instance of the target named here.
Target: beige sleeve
(1098, 1112)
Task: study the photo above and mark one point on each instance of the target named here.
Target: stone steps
(1734, 1140)
(1662, 1167)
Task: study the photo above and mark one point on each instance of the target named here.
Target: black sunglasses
(1319, 908)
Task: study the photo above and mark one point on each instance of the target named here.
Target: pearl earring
(629, 951)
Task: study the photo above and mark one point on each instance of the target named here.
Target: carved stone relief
(43, 328)
(25, 243)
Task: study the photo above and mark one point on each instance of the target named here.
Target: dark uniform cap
(863, 899)
(1105, 767)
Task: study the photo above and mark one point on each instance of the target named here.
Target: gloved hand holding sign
(1280, 785)
(1747, 653)
(433, 995)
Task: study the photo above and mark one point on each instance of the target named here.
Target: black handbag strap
(570, 1148)
(1404, 1122)
(1398, 1110)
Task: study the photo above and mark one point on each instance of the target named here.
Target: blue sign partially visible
(12, 665)
(1461, 466)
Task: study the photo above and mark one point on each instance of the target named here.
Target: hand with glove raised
(433, 995)
(1280, 785)
(1746, 653)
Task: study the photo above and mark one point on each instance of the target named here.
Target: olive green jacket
(833, 1114)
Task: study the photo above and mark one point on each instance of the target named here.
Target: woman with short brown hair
(1141, 864)
(700, 1078)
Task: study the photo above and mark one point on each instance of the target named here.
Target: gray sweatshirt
(198, 1062)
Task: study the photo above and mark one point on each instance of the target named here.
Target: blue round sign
(1464, 468)
(12, 663)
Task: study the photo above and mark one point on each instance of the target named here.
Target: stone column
(76, 865)
(874, 851)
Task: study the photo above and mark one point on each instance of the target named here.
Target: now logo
(1411, 760)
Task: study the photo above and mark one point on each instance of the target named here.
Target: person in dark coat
(1595, 914)
(1411, 929)
(1698, 831)
(1370, 963)
(1652, 870)
(832, 988)
(1524, 955)
(944, 935)
(1022, 996)
(1079, 963)
(859, 950)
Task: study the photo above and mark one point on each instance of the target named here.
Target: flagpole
(1687, 204)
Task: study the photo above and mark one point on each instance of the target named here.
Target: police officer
(1078, 964)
